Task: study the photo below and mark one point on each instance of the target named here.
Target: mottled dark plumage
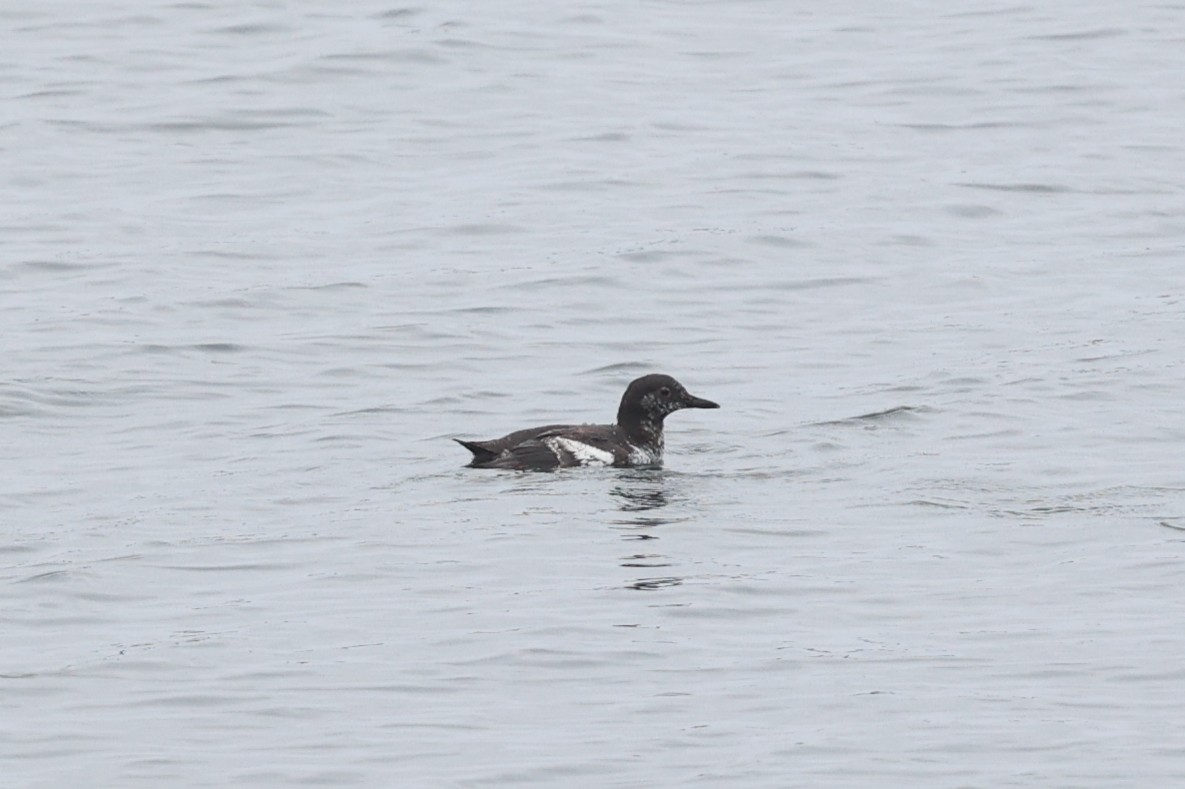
(635, 440)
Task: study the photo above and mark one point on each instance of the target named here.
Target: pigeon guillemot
(636, 439)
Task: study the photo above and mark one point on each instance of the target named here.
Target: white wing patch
(585, 455)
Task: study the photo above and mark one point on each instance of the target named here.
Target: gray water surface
(261, 261)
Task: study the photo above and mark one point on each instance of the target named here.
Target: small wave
(877, 416)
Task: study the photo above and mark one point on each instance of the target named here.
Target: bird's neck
(641, 430)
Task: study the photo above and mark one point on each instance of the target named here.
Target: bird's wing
(531, 454)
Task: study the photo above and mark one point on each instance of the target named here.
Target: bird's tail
(480, 453)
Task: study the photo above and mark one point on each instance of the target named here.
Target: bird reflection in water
(640, 494)
(643, 491)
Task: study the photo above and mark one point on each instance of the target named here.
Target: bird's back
(549, 447)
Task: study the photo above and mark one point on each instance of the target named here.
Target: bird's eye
(665, 392)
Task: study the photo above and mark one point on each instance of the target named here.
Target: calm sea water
(262, 260)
